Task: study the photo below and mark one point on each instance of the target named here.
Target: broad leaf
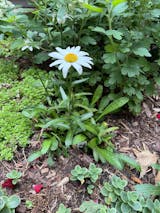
(148, 189)
(69, 138)
(97, 95)
(46, 145)
(117, 104)
(13, 201)
(141, 51)
(79, 139)
(34, 156)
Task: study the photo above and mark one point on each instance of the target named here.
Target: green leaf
(109, 58)
(155, 13)
(136, 206)
(79, 139)
(110, 157)
(115, 33)
(63, 209)
(125, 208)
(148, 189)
(119, 9)
(41, 57)
(141, 51)
(34, 156)
(46, 145)
(130, 161)
(14, 174)
(97, 95)
(56, 123)
(156, 166)
(117, 104)
(91, 128)
(99, 30)
(2, 203)
(69, 138)
(63, 94)
(54, 145)
(92, 8)
(86, 116)
(13, 201)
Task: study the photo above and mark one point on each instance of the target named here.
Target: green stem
(47, 93)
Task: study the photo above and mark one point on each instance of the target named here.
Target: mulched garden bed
(142, 132)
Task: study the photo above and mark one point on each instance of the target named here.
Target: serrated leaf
(41, 57)
(115, 33)
(109, 58)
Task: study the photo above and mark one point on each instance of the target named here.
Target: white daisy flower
(71, 57)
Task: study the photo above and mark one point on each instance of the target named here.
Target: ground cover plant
(68, 69)
(15, 96)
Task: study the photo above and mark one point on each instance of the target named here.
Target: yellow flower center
(71, 57)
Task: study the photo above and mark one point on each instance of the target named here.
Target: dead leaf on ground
(145, 159)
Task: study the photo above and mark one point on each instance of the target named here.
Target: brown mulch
(133, 133)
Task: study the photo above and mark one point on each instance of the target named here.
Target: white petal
(24, 48)
(83, 53)
(30, 48)
(77, 48)
(65, 70)
(61, 51)
(56, 55)
(84, 64)
(78, 68)
(84, 61)
(56, 62)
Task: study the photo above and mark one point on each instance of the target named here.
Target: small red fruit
(37, 188)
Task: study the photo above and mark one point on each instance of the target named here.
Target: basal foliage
(15, 95)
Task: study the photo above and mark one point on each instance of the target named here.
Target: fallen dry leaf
(145, 159)
(157, 178)
(136, 180)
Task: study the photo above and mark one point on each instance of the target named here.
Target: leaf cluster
(8, 204)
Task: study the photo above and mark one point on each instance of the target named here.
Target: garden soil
(135, 135)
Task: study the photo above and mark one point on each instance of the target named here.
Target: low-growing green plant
(15, 176)
(8, 204)
(127, 201)
(63, 209)
(82, 173)
(29, 204)
(89, 175)
(16, 95)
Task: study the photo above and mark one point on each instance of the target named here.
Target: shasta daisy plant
(71, 57)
